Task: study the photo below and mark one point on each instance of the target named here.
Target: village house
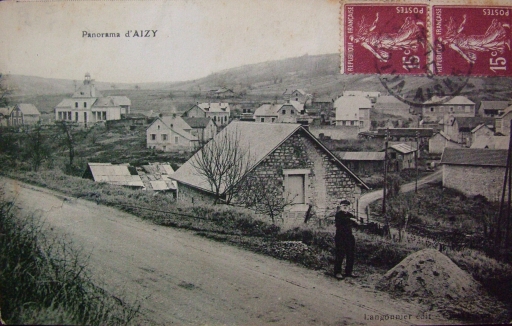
(114, 174)
(502, 122)
(202, 128)
(439, 141)
(279, 113)
(298, 95)
(88, 106)
(388, 104)
(437, 107)
(363, 163)
(401, 156)
(461, 129)
(24, 114)
(492, 108)
(491, 142)
(222, 93)
(353, 111)
(287, 156)
(219, 112)
(475, 171)
(322, 108)
(170, 133)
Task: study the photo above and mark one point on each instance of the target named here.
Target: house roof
(493, 105)
(361, 156)
(300, 91)
(390, 102)
(267, 110)
(121, 100)
(475, 157)
(469, 123)
(104, 102)
(347, 107)
(403, 148)
(442, 134)
(446, 100)
(28, 109)
(223, 90)
(197, 122)
(155, 176)
(261, 139)
(5, 111)
(114, 174)
(178, 125)
(158, 168)
(214, 107)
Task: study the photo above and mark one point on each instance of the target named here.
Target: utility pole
(385, 173)
(502, 222)
(416, 154)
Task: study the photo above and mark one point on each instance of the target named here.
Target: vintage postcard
(243, 162)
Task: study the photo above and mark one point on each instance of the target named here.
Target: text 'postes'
(129, 33)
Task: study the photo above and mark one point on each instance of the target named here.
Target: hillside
(318, 75)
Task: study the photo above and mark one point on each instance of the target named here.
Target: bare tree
(401, 210)
(5, 91)
(223, 162)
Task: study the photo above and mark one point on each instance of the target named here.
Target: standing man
(344, 240)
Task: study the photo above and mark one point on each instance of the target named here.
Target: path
(191, 280)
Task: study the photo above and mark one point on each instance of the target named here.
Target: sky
(194, 37)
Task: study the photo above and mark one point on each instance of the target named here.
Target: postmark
(472, 38)
(384, 37)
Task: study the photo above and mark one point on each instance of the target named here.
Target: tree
(223, 162)
(5, 91)
(37, 147)
(67, 136)
(400, 210)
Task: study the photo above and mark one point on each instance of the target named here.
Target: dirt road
(185, 279)
(370, 197)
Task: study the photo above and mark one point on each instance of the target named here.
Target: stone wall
(192, 195)
(327, 182)
(472, 180)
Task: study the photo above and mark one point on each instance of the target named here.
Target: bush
(43, 280)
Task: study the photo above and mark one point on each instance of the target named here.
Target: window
(176, 139)
(104, 115)
(262, 119)
(69, 115)
(352, 123)
(76, 104)
(451, 108)
(343, 123)
(431, 109)
(273, 119)
(296, 185)
(283, 112)
(215, 119)
(85, 104)
(361, 123)
(153, 136)
(292, 112)
(164, 137)
(76, 116)
(158, 127)
(60, 116)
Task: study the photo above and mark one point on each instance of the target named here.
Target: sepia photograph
(255, 162)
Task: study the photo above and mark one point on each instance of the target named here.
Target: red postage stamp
(385, 38)
(472, 40)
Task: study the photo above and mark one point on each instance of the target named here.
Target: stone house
(88, 106)
(439, 141)
(481, 131)
(353, 111)
(279, 113)
(475, 171)
(492, 108)
(219, 112)
(363, 163)
(491, 142)
(170, 133)
(321, 107)
(24, 114)
(286, 158)
(460, 128)
(437, 107)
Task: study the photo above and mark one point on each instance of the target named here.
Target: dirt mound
(433, 278)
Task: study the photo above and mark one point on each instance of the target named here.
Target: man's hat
(344, 202)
